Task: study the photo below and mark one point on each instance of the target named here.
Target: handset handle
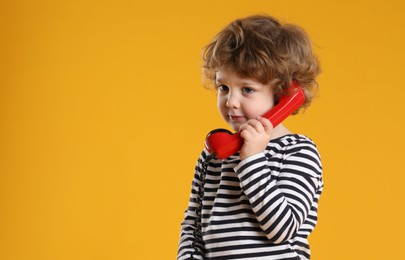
(224, 143)
(287, 104)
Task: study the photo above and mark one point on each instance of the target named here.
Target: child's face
(241, 99)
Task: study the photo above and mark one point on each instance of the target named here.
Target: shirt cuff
(252, 162)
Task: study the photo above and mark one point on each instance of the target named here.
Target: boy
(260, 203)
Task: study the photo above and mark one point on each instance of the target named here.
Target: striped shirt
(263, 207)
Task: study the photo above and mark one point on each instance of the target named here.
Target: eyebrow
(217, 81)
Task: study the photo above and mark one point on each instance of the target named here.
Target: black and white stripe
(261, 208)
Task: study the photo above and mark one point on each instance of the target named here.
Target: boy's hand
(256, 134)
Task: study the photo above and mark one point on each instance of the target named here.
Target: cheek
(258, 108)
(221, 105)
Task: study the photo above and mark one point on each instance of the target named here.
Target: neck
(280, 131)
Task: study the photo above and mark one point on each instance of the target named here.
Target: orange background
(103, 114)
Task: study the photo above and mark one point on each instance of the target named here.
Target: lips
(236, 118)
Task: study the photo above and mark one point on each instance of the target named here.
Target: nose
(232, 101)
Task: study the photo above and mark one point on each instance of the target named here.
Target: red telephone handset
(223, 143)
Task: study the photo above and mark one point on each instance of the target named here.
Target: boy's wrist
(259, 158)
(250, 151)
(250, 155)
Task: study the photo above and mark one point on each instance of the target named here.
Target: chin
(235, 127)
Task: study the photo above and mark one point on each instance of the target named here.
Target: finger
(265, 122)
(257, 125)
(242, 127)
(249, 126)
(247, 131)
(268, 126)
(245, 134)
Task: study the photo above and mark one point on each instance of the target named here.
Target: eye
(247, 90)
(222, 88)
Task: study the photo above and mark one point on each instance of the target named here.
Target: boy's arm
(282, 202)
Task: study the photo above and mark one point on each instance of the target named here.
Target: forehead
(230, 76)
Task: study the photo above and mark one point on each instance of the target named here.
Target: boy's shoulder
(292, 139)
(291, 143)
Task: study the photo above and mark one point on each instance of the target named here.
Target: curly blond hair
(261, 48)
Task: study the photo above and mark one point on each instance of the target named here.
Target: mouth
(235, 118)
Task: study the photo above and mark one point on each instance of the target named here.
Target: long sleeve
(191, 224)
(282, 195)
(263, 207)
